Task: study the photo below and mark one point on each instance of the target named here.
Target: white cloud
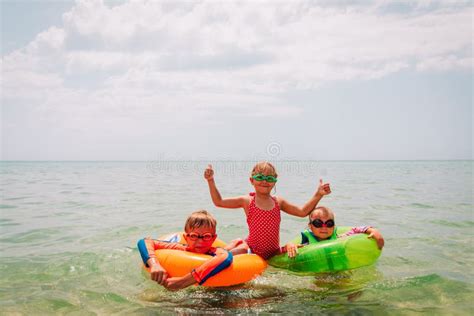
(445, 63)
(215, 35)
(28, 84)
(79, 62)
(145, 56)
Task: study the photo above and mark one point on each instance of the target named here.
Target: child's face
(323, 232)
(263, 186)
(200, 239)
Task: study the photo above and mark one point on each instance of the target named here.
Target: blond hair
(322, 210)
(200, 218)
(263, 166)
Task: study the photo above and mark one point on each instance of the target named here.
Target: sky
(236, 80)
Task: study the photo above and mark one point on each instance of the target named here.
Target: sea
(68, 235)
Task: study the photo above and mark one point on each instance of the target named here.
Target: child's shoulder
(279, 199)
(248, 197)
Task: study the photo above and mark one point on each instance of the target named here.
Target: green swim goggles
(261, 177)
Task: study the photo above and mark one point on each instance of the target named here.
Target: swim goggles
(261, 177)
(319, 223)
(204, 237)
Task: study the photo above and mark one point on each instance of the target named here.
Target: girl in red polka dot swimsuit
(262, 210)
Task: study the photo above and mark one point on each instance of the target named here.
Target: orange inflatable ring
(178, 263)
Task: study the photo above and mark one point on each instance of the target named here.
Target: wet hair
(323, 210)
(263, 166)
(198, 219)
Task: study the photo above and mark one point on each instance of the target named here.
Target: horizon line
(242, 160)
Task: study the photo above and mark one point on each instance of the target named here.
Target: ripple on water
(8, 222)
(16, 198)
(402, 189)
(252, 296)
(421, 205)
(33, 203)
(61, 283)
(460, 224)
(7, 206)
(35, 236)
(423, 294)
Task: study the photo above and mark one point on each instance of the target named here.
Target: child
(322, 227)
(200, 233)
(262, 210)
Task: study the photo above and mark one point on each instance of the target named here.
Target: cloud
(161, 54)
(445, 63)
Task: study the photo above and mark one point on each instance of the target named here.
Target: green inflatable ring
(345, 253)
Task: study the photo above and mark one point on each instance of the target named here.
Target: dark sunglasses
(204, 237)
(319, 223)
(261, 177)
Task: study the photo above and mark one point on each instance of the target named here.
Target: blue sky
(319, 80)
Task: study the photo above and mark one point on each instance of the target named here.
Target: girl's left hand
(375, 234)
(324, 188)
(292, 250)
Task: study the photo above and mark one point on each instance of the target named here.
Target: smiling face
(265, 169)
(323, 214)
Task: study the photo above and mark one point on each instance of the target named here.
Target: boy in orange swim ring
(200, 233)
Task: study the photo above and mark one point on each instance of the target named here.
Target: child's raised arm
(323, 189)
(235, 202)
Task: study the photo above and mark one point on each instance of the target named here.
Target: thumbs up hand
(209, 173)
(324, 188)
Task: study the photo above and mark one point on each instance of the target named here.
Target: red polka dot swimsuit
(264, 229)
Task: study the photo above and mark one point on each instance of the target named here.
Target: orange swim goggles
(204, 237)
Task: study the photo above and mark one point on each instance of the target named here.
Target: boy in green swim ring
(321, 227)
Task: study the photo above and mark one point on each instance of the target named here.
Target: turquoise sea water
(68, 232)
